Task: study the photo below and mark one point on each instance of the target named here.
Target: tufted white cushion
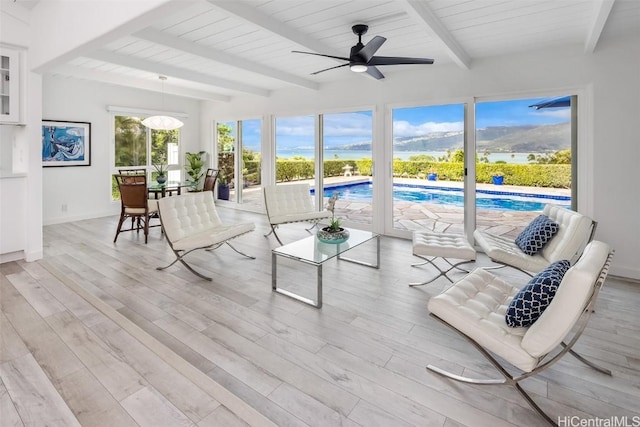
(429, 243)
(568, 303)
(291, 203)
(476, 306)
(573, 234)
(191, 221)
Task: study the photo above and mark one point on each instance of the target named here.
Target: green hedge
(529, 175)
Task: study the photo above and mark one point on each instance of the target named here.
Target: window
(138, 147)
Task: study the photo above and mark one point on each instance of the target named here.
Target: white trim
(144, 111)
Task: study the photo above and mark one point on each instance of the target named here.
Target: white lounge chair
(476, 307)
(191, 222)
(575, 231)
(288, 203)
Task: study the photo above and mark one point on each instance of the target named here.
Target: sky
(356, 127)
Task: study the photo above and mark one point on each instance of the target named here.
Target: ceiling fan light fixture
(359, 68)
(160, 122)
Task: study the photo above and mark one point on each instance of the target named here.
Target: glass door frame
(238, 179)
(386, 222)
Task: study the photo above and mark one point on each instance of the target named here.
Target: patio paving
(424, 215)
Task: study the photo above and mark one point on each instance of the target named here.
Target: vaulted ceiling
(217, 49)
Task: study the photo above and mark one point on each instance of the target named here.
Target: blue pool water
(485, 199)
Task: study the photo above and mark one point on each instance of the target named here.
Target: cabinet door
(9, 86)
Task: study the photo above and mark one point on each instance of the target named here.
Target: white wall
(25, 237)
(86, 190)
(609, 80)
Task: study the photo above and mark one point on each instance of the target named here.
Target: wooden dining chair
(135, 204)
(210, 179)
(132, 171)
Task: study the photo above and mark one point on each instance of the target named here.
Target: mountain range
(495, 139)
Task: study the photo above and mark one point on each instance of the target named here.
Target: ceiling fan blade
(374, 72)
(371, 48)
(322, 54)
(398, 60)
(327, 69)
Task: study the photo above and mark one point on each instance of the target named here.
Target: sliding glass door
(428, 168)
(239, 177)
(523, 160)
(347, 160)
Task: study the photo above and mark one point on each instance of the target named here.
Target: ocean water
(517, 158)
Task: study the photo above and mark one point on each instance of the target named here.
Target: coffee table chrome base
(366, 264)
(318, 301)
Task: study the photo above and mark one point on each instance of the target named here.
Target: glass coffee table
(312, 251)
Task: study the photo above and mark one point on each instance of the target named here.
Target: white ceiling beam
(176, 72)
(601, 11)
(128, 81)
(254, 16)
(222, 57)
(436, 29)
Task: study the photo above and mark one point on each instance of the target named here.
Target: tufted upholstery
(191, 221)
(290, 203)
(476, 306)
(429, 243)
(287, 203)
(574, 232)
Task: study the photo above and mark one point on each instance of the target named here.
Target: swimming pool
(485, 199)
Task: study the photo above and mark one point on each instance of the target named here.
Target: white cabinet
(9, 86)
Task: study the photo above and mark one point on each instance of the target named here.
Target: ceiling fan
(362, 59)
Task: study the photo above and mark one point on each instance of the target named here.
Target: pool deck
(413, 216)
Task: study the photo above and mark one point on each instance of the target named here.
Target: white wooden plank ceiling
(217, 49)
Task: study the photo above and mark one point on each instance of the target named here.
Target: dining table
(168, 188)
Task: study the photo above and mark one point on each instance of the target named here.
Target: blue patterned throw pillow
(536, 234)
(532, 300)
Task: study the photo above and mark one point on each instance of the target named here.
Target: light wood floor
(94, 335)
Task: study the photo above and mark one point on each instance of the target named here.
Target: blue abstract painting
(66, 143)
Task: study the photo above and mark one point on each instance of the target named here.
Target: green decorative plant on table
(333, 233)
(161, 169)
(195, 169)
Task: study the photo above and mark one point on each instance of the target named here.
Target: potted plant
(225, 174)
(161, 169)
(195, 169)
(432, 174)
(497, 178)
(333, 233)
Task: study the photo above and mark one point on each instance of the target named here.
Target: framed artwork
(66, 143)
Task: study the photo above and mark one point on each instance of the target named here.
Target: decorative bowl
(327, 236)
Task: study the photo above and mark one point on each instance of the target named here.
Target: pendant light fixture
(162, 122)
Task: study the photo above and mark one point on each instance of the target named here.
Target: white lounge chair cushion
(571, 237)
(298, 217)
(573, 232)
(291, 203)
(445, 245)
(191, 221)
(506, 251)
(476, 306)
(568, 303)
